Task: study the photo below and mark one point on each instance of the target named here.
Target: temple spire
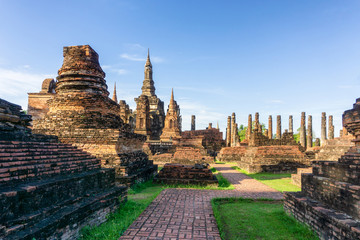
(114, 98)
(148, 62)
(148, 87)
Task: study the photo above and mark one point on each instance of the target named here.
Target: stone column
(331, 127)
(309, 132)
(323, 128)
(317, 142)
(237, 138)
(249, 129)
(192, 122)
(291, 129)
(303, 130)
(210, 126)
(228, 132)
(270, 132)
(257, 123)
(278, 127)
(233, 121)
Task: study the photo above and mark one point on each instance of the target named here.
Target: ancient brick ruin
(49, 190)
(150, 115)
(259, 152)
(37, 102)
(186, 174)
(172, 128)
(82, 114)
(329, 197)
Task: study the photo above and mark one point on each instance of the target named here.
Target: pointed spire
(148, 62)
(217, 125)
(172, 104)
(172, 95)
(114, 98)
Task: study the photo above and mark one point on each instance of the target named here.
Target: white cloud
(134, 46)
(16, 83)
(119, 71)
(133, 57)
(137, 58)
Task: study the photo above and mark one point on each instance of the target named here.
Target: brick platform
(186, 174)
(49, 190)
(329, 197)
(187, 213)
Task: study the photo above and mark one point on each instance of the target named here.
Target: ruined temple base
(51, 190)
(327, 223)
(183, 155)
(199, 174)
(296, 178)
(276, 159)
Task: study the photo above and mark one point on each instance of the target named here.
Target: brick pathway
(187, 213)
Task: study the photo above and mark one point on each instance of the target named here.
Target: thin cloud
(133, 57)
(119, 71)
(134, 46)
(16, 83)
(137, 58)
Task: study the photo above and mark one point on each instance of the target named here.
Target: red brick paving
(187, 213)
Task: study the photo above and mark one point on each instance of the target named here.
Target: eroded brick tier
(186, 174)
(49, 190)
(82, 114)
(329, 197)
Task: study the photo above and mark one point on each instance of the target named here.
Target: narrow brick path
(187, 213)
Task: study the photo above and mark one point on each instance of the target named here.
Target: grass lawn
(256, 219)
(278, 181)
(139, 197)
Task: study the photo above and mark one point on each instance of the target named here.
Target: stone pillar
(228, 132)
(210, 126)
(270, 132)
(317, 142)
(331, 127)
(323, 128)
(257, 123)
(192, 122)
(291, 129)
(237, 138)
(303, 130)
(309, 132)
(233, 121)
(249, 129)
(278, 127)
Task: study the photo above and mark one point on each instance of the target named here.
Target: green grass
(278, 181)
(139, 197)
(257, 219)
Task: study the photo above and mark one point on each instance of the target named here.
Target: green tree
(242, 130)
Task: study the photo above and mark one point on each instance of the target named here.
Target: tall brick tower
(172, 121)
(156, 106)
(82, 114)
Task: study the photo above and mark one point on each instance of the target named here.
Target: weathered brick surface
(329, 197)
(276, 158)
(49, 190)
(82, 114)
(186, 174)
(212, 139)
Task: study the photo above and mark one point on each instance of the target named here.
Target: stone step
(338, 171)
(327, 222)
(77, 212)
(39, 195)
(338, 195)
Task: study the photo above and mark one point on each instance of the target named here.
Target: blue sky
(271, 57)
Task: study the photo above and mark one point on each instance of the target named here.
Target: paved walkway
(187, 213)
